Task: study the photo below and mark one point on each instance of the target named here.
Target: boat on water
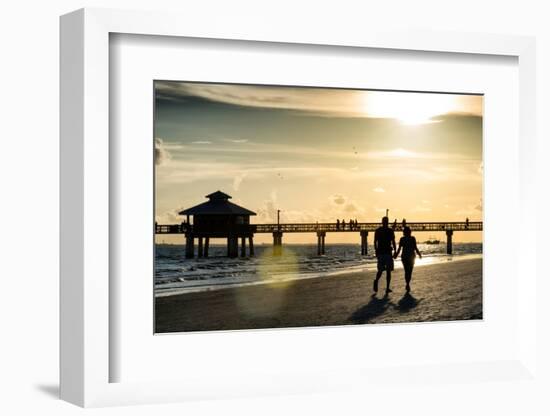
(432, 240)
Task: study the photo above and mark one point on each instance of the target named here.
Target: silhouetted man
(384, 246)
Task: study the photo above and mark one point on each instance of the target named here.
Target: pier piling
(251, 246)
(232, 247)
(277, 243)
(449, 241)
(200, 251)
(189, 246)
(243, 247)
(321, 242)
(364, 242)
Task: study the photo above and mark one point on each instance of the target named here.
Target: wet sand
(440, 292)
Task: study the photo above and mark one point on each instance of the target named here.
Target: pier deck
(247, 231)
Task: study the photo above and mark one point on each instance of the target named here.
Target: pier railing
(334, 227)
(170, 228)
(367, 226)
(233, 233)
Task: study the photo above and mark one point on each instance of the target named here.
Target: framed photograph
(292, 203)
(318, 167)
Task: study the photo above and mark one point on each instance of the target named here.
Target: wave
(174, 274)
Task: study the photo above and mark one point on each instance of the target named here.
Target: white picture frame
(85, 219)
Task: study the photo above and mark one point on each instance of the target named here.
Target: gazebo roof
(218, 195)
(218, 204)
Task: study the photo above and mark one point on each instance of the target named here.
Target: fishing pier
(220, 218)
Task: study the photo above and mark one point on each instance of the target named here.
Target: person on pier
(384, 246)
(407, 243)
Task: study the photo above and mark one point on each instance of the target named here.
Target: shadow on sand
(377, 306)
(374, 308)
(407, 302)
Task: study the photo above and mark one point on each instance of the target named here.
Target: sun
(401, 153)
(409, 108)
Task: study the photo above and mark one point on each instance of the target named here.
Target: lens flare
(276, 273)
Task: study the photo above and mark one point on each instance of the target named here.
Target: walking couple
(384, 245)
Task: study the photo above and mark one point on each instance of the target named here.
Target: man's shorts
(385, 262)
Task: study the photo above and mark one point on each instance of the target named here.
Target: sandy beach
(440, 292)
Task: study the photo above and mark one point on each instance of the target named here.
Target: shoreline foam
(424, 262)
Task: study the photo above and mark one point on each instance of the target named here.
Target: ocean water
(175, 274)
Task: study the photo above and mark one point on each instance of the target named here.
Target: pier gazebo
(218, 218)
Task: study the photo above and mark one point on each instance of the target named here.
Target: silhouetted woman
(407, 243)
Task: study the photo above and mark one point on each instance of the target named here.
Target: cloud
(479, 207)
(174, 146)
(170, 217)
(379, 189)
(471, 210)
(352, 207)
(342, 205)
(287, 98)
(330, 102)
(238, 180)
(303, 216)
(162, 156)
(194, 166)
(422, 208)
(268, 212)
(227, 148)
(236, 140)
(399, 153)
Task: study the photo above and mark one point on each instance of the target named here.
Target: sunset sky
(319, 154)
